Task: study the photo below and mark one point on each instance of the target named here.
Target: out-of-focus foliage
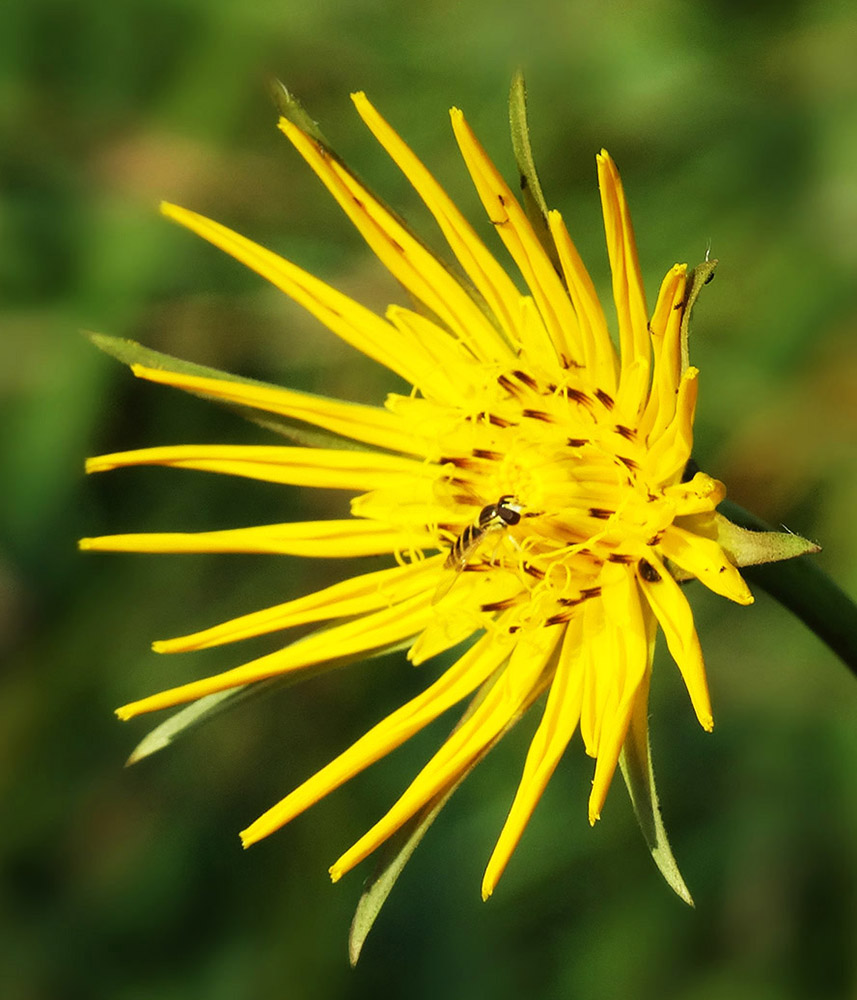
(732, 124)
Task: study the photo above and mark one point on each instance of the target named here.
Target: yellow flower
(532, 491)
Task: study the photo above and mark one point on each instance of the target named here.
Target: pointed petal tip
(595, 804)
(335, 873)
(125, 712)
(487, 891)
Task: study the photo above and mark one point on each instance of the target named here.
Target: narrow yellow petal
(513, 227)
(628, 290)
(676, 619)
(356, 596)
(491, 281)
(596, 652)
(370, 424)
(321, 467)
(557, 726)
(666, 347)
(406, 258)
(669, 454)
(624, 620)
(371, 632)
(456, 683)
(453, 374)
(316, 539)
(700, 495)
(500, 705)
(354, 323)
(598, 350)
(706, 560)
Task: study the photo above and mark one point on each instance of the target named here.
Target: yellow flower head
(534, 490)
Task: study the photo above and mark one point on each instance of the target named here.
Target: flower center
(575, 474)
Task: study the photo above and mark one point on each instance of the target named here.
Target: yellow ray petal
(354, 323)
(356, 596)
(624, 619)
(501, 704)
(538, 349)
(676, 619)
(321, 467)
(700, 495)
(666, 348)
(514, 229)
(669, 454)
(559, 721)
(456, 683)
(370, 424)
(599, 352)
(491, 281)
(452, 366)
(596, 653)
(628, 290)
(404, 257)
(706, 560)
(316, 539)
(375, 631)
(466, 602)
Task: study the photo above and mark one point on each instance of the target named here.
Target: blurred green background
(734, 124)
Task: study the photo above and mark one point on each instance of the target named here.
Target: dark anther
(601, 513)
(648, 572)
(526, 379)
(539, 415)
